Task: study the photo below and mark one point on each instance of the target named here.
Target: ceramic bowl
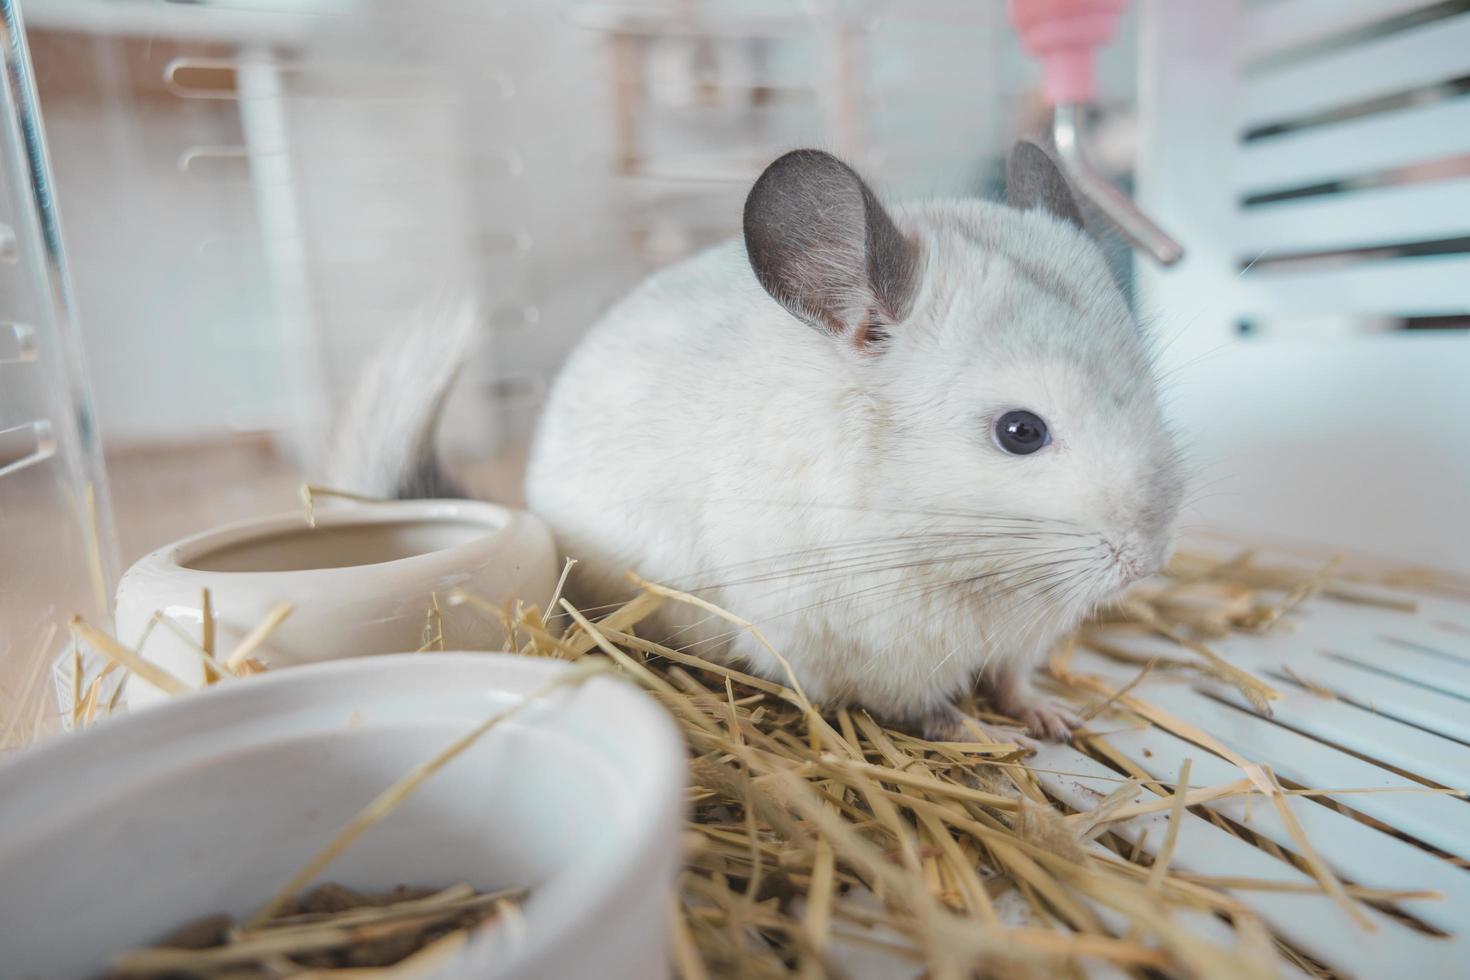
(210, 803)
(362, 581)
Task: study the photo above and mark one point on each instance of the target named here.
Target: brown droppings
(200, 934)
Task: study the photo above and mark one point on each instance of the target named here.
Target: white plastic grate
(1372, 698)
(1313, 156)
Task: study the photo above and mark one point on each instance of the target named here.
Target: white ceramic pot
(362, 582)
(116, 836)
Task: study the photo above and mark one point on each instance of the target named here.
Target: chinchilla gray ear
(1034, 181)
(822, 245)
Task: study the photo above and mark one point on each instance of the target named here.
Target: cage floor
(1372, 697)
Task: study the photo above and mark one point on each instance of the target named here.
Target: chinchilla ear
(1034, 181)
(823, 246)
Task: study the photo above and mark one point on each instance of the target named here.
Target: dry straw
(390, 927)
(815, 833)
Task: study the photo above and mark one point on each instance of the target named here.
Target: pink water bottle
(1065, 36)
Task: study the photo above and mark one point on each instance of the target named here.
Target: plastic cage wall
(1315, 156)
(303, 175)
(57, 556)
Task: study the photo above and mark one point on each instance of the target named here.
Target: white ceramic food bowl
(115, 836)
(362, 582)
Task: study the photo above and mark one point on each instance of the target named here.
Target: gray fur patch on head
(823, 246)
(1049, 292)
(1033, 181)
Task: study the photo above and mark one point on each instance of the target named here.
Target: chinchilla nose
(1137, 558)
(1143, 526)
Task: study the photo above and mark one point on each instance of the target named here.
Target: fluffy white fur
(854, 503)
(383, 444)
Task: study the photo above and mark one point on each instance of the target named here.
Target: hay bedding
(824, 843)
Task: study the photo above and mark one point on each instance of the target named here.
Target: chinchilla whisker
(864, 550)
(923, 539)
(821, 558)
(855, 547)
(965, 589)
(705, 504)
(943, 581)
(945, 659)
(877, 564)
(861, 555)
(886, 592)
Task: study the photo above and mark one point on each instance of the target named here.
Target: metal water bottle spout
(1065, 35)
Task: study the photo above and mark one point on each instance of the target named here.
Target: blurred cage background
(259, 191)
(255, 193)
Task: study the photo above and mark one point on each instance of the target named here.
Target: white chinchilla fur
(800, 428)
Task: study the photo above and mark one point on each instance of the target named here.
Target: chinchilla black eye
(1021, 433)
